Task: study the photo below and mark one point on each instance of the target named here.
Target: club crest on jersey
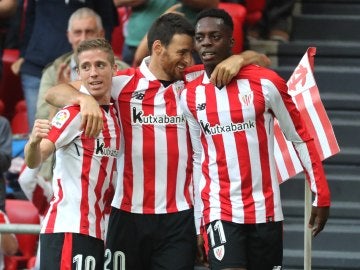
(219, 252)
(60, 118)
(246, 98)
(178, 86)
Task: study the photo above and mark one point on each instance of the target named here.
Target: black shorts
(71, 251)
(250, 246)
(150, 241)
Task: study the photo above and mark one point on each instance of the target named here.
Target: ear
(157, 47)
(115, 69)
(232, 42)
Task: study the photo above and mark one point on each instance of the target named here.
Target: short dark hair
(92, 44)
(216, 13)
(166, 26)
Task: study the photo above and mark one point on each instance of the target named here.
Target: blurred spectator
(83, 24)
(8, 244)
(144, 13)
(7, 9)
(15, 28)
(5, 156)
(44, 39)
(275, 23)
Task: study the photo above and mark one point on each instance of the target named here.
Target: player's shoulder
(255, 71)
(64, 115)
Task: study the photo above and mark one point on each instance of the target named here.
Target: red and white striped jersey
(232, 131)
(36, 188)
(84, 172)
(154, 168)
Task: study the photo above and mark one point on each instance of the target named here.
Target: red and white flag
(305, 93)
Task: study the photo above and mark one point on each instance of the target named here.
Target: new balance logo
(138, 96)
(201, 107)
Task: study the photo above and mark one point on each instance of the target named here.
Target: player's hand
(91, 116)
(15, 67)
(201, 258)
(318, 219)
(226, 70)
(40, 130)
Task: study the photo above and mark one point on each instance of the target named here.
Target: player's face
(213, 40)
(177, 56)
(83, 29)
(95, 72)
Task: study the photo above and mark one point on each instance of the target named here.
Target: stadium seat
(10, 84)
(254, 9)
(117, 37)
(19, 123)
(238, 14)
(2, 107)
(22, 212)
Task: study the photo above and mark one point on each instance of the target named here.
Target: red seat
(19, 123)
(117, 37)
(2, 107)
(22, 212)
(254, 10)
(10, 84)
(238, 14)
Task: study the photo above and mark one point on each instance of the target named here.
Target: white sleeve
(195, 132)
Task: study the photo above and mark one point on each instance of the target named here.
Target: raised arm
(38, 148)
(68, 94)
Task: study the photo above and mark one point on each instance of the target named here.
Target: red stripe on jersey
(191, 103)
(149, 147)
(242, 149)
(39, 200)
(284, 150)
(125, 120)
(172, 160)
(102, 175)
(263, 147)
(188, 180)
(88, 148)
(223, 174)
(66, 253)
(51, 222)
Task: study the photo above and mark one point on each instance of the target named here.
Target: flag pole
(307, 231)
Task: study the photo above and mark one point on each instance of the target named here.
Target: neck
(209, 70)
(155, 68)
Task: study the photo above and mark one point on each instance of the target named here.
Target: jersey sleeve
(294, 129)
(195, 133)
(65, 126)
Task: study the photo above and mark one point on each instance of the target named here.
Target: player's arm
(195, 132)
(230, 67)
(38, 148)
(68, 94)
(295, 131)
